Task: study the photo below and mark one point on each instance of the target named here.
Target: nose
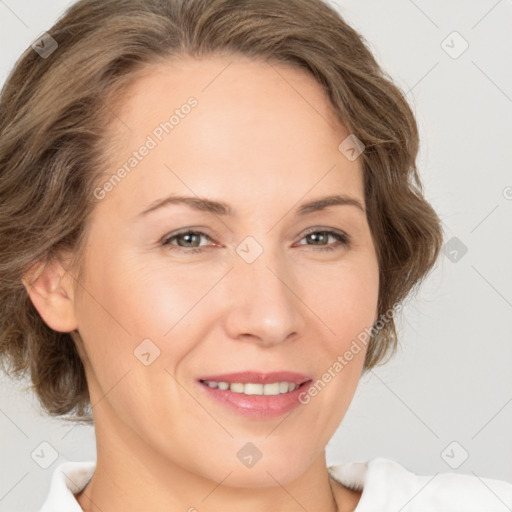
(264, 303)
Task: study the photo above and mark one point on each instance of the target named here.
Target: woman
(206, 207)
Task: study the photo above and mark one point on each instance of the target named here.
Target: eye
(317, 235)
(189, 237)
(188, 240)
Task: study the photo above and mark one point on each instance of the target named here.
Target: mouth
(253, 388)
(255, 394)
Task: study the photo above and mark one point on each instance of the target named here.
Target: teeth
(271, 389)
(237, 387)
(250, 388)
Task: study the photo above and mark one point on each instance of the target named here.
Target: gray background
(451, 379)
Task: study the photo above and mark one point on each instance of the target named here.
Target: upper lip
(258, 377)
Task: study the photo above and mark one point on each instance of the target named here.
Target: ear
(51, 290)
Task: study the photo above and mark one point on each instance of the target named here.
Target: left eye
(317, 235)
(190, 236)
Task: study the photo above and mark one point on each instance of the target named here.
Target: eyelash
(343, 238)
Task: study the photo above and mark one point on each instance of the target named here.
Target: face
(191, 291)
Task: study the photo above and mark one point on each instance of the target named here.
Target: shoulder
(68, 479)
(387, 485)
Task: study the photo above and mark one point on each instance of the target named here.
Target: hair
(55, 113)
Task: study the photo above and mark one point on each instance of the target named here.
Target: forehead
(222, 78)
(255, 125)
(254, 93)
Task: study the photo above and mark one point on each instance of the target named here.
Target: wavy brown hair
(55, 112)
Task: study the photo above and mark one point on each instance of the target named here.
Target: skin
(263, 139)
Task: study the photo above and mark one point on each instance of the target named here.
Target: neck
(131, 476)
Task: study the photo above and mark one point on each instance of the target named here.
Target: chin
(263, 476)
(265, 472)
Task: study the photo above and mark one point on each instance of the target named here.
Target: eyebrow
(221, 208)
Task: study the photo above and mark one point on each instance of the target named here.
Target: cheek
(160, 299)
(134, 303)
(118, 306)
(125, 306)
(346, 298)
(144, 297)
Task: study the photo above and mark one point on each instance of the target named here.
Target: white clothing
(386, 487)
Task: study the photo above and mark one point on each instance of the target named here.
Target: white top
(386, 487)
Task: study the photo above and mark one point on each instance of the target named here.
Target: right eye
(188, 237)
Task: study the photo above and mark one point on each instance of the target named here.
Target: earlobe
(51, 290)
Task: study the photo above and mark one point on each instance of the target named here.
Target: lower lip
(258, 406)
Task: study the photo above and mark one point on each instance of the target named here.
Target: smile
(260, 395)
(252, 388)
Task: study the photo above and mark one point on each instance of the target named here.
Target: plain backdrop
(444, 403)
